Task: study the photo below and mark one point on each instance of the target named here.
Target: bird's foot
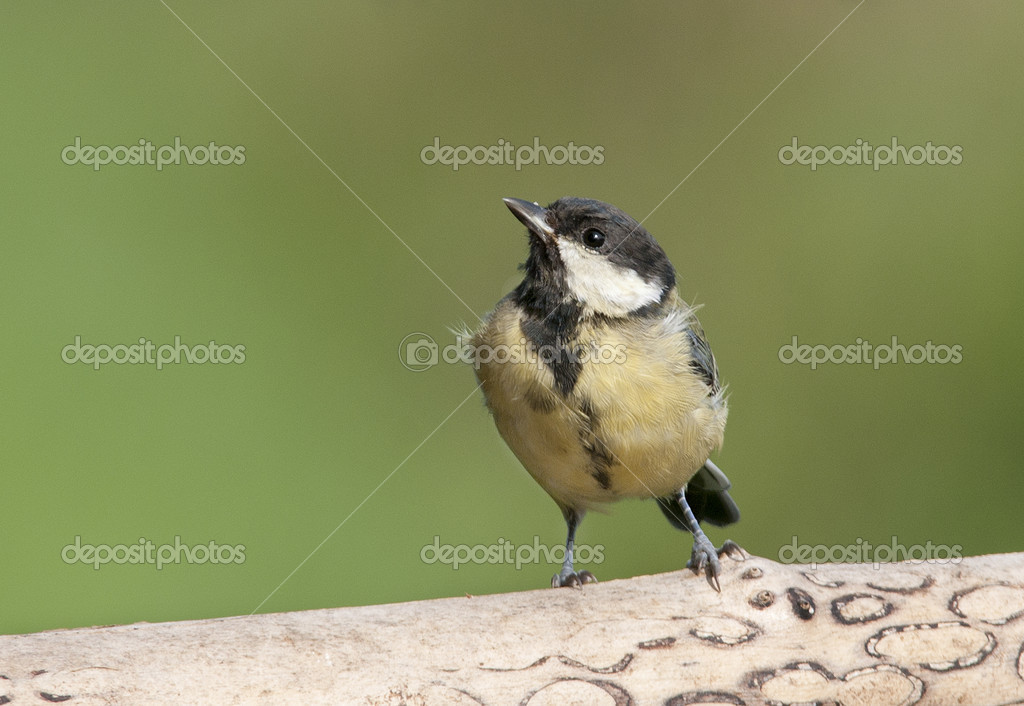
(704, 557)
(572, 579)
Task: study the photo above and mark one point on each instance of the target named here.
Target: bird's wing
(702, 360)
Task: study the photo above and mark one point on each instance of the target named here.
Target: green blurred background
(276, 254)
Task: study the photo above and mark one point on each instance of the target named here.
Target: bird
(612, 391)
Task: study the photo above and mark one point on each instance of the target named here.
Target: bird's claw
(732, 550)
(572, 579)
(705, 558)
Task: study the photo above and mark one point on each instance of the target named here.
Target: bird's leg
(704, 556)
(567, 576)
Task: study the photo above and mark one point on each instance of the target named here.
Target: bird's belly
(638, 426)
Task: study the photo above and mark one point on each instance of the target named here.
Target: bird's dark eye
(593, 238)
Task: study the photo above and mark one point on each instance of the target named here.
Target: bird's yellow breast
(638, 422)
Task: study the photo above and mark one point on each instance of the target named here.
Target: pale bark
(850, 634)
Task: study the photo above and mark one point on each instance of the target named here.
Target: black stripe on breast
(601, 458)
(551, 336)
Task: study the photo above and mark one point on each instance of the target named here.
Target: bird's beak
(533, 217)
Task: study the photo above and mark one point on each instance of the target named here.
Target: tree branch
(851, 634)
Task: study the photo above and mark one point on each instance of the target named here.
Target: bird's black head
(592, 254)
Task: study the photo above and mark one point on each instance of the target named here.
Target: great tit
(600, 379)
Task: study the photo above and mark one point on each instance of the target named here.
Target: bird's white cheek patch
(603, 286)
